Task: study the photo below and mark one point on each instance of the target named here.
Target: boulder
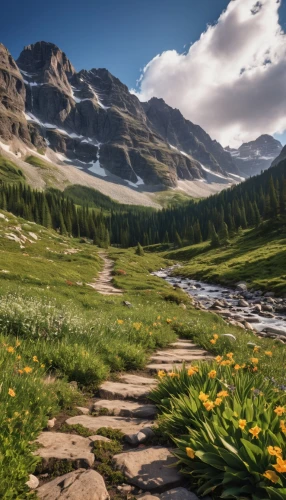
(76, 485)
(150, 468)
(33, 482)
(243, 303)
(141, 437)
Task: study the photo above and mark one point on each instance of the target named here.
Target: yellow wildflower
(230, 355)
(271, 475)
(35, 359)
(213, 341)
(212, 374)
(209, 405)
(168, 320)
(20, 372)
(11, 349)
(268, 353)
(255, 431)
(27, 369)
(215, 336)
(158, 317)
(227, 362)
(19, 357)
(137, 326)
(218, 359)
(242, 423)
(237, 367)
(256, 348)
(279, 410)
(120, 321)
(283, 426)
(218, 401)
(190, 452)
(42, 366)
(255, 369)
(17, 343)
(203, 397)
(161, 374)
(280, 465)
(191, 371)
(222, 394)
(11, 393)
(173, 374)
(254, 360)
(275, 451)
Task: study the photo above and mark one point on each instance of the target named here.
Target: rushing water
(206, 294)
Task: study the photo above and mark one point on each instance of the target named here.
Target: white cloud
(232, 81)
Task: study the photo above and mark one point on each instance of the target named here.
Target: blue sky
(121, 35)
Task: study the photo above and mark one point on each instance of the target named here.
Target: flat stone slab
(117, 390)
(166, 357)
(167, 367)
(126, 408)
(137, 380)
(76, 485)
(62, 446)
(183, 345)
(174, 494)
(149, 468)
(125, 425)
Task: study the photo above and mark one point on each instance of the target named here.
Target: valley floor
(61, 339)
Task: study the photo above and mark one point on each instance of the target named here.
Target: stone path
(149, 470)
(103, 284)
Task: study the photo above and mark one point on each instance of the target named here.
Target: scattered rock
(61, 446)
(141, 437)
(33, 482)
(267, 307)
(80, 484)
(127, 304)
(229, 336)
(84, 411)
(149, 468)
(51, 423)
(243, 303)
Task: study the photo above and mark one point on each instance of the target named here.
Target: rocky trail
(103, 284)
(121, 405)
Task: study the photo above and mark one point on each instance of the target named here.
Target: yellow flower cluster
(283, 426)
(214, 339)
(161, 374)
(280, 465)
(137, 326)
(120, 321)
(210, 405)
(193, 370)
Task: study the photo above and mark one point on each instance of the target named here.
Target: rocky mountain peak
(44, 62)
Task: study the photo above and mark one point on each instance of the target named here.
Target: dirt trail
(103, 284)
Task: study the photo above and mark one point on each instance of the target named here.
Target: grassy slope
(257, 256)
(10, 172)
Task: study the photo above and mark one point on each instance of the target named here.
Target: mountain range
(90, 120)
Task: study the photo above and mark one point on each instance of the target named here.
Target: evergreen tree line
(215, 218)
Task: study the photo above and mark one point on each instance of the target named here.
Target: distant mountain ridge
(90, 119)
(253, 157)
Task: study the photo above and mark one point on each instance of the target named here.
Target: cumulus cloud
(232, 81)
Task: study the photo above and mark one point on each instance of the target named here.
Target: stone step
(181, 352)
(123, 424)
(61, 446)
(118, 390)
(126, 408)
(174, 494)
(76, 485)
(180, 344)
(167, 367)
(167, 358)
(149, 468)
(138, 380)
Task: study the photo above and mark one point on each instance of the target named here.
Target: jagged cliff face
(187, 137)
(12, 99)
(90, 118)
(253, 157)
